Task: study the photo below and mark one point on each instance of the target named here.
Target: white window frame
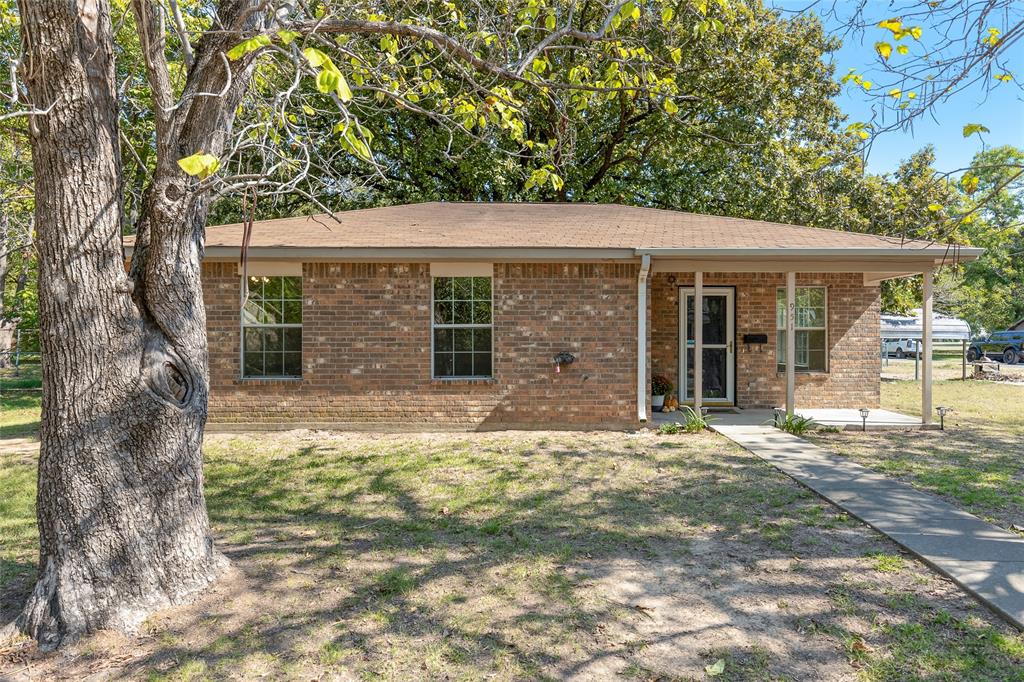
(780, 360)
(445, 271)
(243, 325)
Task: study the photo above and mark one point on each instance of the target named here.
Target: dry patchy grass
(529, 556)
(976, 463)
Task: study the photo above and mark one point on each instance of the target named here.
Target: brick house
(451, 315)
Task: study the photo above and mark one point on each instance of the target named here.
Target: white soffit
(461, 269)
(272, 268)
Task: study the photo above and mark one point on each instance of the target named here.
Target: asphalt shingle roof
(524, 225)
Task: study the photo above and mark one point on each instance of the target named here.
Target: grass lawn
(944, 367)
(526, 556)
(977, 462)
(19, 415)
(28, 375)
(19, 402)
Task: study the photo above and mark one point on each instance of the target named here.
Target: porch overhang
(877, 264)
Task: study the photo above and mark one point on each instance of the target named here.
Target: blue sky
(1001, 110)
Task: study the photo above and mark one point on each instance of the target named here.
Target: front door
(719, 375)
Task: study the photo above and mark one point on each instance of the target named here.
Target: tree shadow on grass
(497, 555)
(978, 468)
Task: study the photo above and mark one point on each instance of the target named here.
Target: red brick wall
(366, 350)
(853, 338)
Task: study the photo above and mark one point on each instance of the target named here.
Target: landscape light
(864, 418)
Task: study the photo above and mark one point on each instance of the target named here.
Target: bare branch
(179, 29)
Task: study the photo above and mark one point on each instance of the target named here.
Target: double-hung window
(462, 343)
(272, 328)
(811, 329)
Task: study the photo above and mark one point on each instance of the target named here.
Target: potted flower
(660, 387)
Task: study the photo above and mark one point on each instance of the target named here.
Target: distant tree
(989, 293)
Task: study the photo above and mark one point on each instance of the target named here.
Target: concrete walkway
(986, 561)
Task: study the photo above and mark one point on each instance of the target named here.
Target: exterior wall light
(564, 358)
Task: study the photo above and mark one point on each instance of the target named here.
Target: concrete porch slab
(846, 419)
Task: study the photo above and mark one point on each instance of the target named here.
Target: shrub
(660, 385)
(670, 429)
(694, 421)
(793, 423)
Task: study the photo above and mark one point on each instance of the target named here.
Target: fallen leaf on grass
(716, 668)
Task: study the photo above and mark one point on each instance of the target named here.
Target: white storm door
(719, 370)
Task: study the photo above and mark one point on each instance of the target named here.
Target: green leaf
(199, 165)
(246, 46)
(329, 79)
(343, 91)
(315, 57)
(355, 139)
(972, 128)
(549, 22)
(666, 16)
(287, 37)
(670, 106)
(934, 208)
(715, 669)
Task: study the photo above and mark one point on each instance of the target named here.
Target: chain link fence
(19, 351)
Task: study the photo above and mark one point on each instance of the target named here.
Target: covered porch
(786, 330)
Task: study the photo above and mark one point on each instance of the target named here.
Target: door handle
(730, 345)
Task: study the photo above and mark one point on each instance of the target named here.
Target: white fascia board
(937, 252)
(422, 255)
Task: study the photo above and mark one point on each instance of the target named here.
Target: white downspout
(641, 338)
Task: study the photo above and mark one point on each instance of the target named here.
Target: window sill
(263, 379)
(462, 380)
(821, 372)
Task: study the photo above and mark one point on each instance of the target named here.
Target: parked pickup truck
(1005, 347)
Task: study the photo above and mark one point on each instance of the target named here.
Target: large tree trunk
(122, 517)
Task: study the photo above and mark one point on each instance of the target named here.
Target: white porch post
(698, 340)
(926, 338)
(790, 343)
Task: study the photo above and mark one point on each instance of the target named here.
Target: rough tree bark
(121, 512)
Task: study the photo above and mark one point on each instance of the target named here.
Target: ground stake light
(943, 411)
(864, 418)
